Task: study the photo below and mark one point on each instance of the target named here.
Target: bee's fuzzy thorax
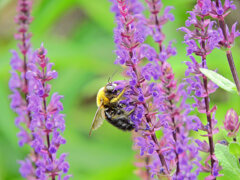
(101, 95)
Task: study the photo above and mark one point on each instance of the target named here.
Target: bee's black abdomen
(119, 120)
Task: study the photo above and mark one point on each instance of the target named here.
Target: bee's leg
(129, 113)
(116, 99)
(108, 115)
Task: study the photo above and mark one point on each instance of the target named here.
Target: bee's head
(110, 87)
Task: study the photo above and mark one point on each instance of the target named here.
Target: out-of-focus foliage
(79, 37)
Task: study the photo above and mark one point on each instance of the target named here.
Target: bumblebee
(111, 109)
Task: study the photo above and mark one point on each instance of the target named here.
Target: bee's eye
(110, 88)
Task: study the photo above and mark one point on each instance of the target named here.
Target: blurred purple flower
(231, 123)
(19, 84)
(40, 123)
(26, 169)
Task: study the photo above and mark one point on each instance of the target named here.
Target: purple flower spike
(40, 124)
(129, 37)
(201, 41)
(19, 84)
(152, 92)
(23, 19)
(47, 120)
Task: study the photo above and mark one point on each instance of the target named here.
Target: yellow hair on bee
(102, 97)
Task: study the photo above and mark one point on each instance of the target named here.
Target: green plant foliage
(234, 148)
(221, 81)
(227, 161)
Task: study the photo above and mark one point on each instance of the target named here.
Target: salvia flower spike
(201, 41)
(41, 124)
(171, 104)
(19, 84)
(153, 93)
(47, 122)
(129, 35)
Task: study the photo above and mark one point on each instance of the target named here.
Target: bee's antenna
(109, 80)
(115, 72)
(111, 77)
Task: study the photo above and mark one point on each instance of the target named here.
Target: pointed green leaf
(221, 81)
(234, 149)
(227, 161)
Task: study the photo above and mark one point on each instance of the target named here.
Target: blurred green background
(78, 35)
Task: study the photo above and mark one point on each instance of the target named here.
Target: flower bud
(231, 122)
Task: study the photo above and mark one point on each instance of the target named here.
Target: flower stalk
(209, 119)
(206, 101)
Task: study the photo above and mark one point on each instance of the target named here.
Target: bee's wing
(98, 118)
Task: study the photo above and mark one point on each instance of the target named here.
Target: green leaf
(227, 161)
(234, 149)
(221, 81)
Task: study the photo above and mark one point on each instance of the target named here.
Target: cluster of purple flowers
(201, 40)
(216, 36)
(158, 101)
(18, 83)
(129, 36)
(40, 123)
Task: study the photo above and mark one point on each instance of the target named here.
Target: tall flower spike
(201, 41)
(18, 82)
(19, 85)
(170, 103)
(40, 124)
(47, 122)
(129, 35)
